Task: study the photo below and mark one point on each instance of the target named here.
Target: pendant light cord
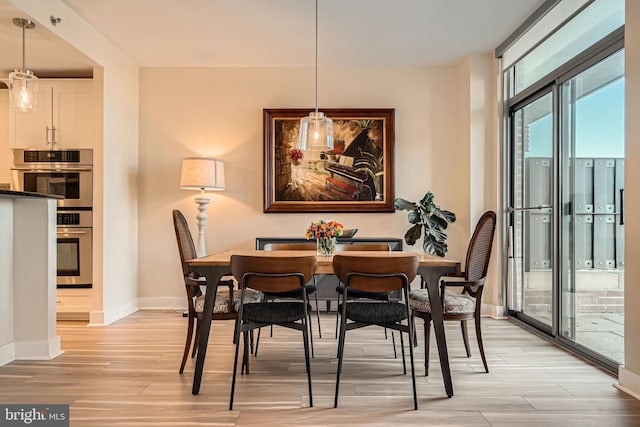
(316, 59)
(23, 49)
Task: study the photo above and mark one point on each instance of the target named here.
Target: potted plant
(434, 220)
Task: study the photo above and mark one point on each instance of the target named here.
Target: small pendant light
(316, 130)
(23, 84)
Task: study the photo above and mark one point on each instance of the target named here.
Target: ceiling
(271, 33)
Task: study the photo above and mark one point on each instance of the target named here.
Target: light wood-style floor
(126, 374)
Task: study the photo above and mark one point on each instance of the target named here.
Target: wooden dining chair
(465, 305)
(375, 275)
(311, 288)
(227, 299)
(354, 294)
(272, 275)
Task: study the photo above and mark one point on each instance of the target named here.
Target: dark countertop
(8, 194)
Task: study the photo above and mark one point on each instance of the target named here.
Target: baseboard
(493, 311)
(38, 350)
(628, 382)
(162, 303)
(7, 353)
(113, 315)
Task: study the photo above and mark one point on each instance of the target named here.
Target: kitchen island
(27, 277)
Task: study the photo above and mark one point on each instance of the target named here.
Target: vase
(326, 246)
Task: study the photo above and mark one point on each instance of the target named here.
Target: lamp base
(202, 216)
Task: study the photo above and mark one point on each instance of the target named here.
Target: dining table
(214, 267)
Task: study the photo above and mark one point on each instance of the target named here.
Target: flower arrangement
(295, 155)
(323, 229)
(325, 233)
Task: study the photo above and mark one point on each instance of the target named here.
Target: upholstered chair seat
(222, 300)
(454, 302)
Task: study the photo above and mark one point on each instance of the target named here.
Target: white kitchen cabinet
(73, 304)
(65, 117)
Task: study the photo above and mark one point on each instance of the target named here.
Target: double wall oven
(66, 173)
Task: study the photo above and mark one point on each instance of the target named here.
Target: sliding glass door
(566, 222)
(592, 130)
(531, 231)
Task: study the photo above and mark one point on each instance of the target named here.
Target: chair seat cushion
(222, 300)
(354, 293)
(274, 312)
(454, 302)
(375, 312)
(297, 293)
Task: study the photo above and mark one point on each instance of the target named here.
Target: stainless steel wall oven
(66, 173)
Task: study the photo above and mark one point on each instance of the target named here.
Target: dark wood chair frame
(383, 247)
(370, 275)
(271, 296)
(472, 283)
(192, 283)
(275, 275)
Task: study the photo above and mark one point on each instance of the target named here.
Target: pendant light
(23, 84)
(316, 130)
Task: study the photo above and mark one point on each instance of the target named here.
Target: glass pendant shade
(316, 134)
(23, 90)
(23, 84)
(316, 130)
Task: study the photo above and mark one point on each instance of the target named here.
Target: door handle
(622, 206)
(71, 232)
(528, 208)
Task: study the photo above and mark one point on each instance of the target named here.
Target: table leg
(213, 275)
(432, 276)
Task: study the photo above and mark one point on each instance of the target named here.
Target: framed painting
(354, 173)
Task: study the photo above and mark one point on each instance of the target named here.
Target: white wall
(218, 112)
(481, 159)
(629, 374)
(5, 154)
(115, 197)
(7, 348)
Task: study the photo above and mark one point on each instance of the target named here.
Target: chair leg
(404, 364)
(255, 352)
(480, 346)
(340, 357)
(235, 370)
(412, 332)
(427, 342)
(245, 353)
(197, 338)
(310, 336)
(465, 337)
(338, 316)
(393, 343)
(415, 335)
(305, 331)
(318, 315)
(187, 344)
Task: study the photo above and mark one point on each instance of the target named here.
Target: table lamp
(201, 173)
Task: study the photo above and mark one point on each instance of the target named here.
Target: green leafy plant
(426, 215)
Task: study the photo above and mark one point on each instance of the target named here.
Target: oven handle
(65, 169)
(72, 232)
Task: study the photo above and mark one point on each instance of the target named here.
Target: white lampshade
(201, 173)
